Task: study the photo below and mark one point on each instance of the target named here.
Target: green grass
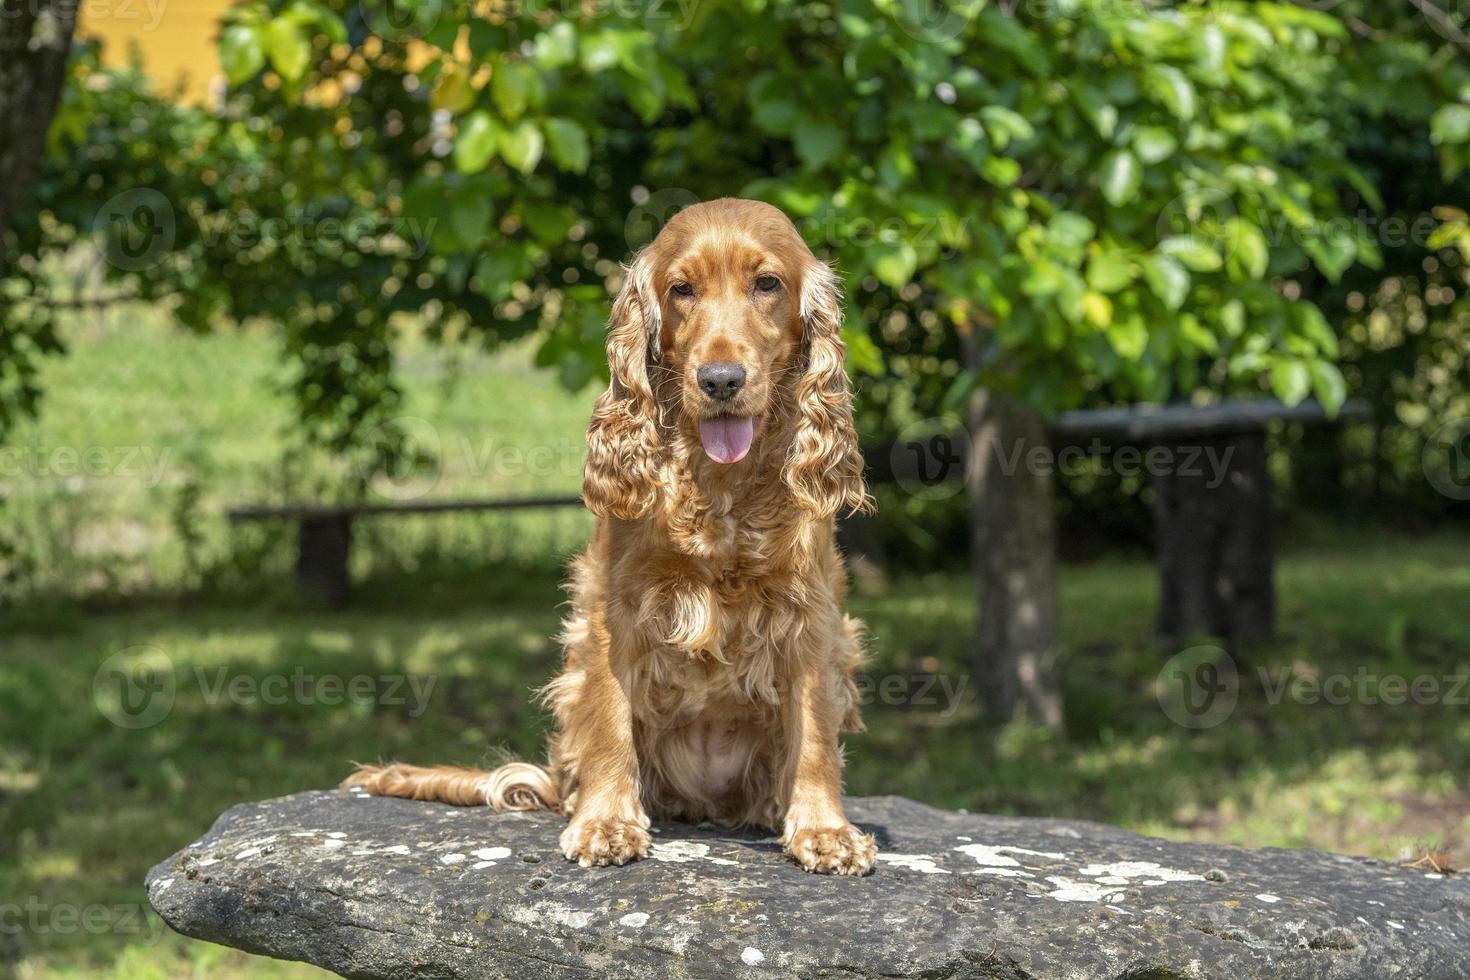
(87, 804)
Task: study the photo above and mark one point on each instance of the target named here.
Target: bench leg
(321, 559)
(1216, 544)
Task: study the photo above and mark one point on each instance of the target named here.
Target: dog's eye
(767, 284)
(683, 289)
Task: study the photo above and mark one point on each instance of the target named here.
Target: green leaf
(1121, 177)
(1308, 322)
(1069, 232)
(1169, 86)
(894, 265)
(556, 47)
(862, 354)
(1003, 125)
(600, 51)
(1451, 125)
(289, 48)
(521, 146)
(487, 40)
(567, 142)
(999, 30)
(1290, 380)
(1128, 336)
(550, 223)
(1109, 271)
(499, 269)
(1167, 278)
(1093, 103)
(1333, 250)
(1000, 171)
(469, 217)
(1248, 253)
(240, 53)
(818, 142)
(1328, 385)
(1154, 144)
(516, 86)
(474, 147)
(1195, 254)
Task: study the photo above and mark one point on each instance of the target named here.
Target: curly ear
(621, 475)
(824, 468)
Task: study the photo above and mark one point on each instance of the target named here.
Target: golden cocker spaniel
(708, 668)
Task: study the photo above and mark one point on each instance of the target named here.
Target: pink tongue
(727, 439)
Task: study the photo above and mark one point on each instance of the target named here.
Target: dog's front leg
(608, 823)
(815, 830)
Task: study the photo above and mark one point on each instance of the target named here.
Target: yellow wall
(177, 38)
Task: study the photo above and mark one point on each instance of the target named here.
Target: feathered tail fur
(513, 786)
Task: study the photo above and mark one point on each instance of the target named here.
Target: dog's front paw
(598, 841)
(840, 851)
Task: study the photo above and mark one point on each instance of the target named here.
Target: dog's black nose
(721, 381)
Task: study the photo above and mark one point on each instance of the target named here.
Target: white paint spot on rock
(994, 855)
(923, 863)
(1068, 890)
(396, 849)
(1126, 870)
(491, 853)
(684, 851)
(333, 844)
(1268, 899)
(634, 920)
(482, 865)
(451, 858)
(162, 885)
(1395, 925)
(751, 956)
(249, 852)
(572, 920)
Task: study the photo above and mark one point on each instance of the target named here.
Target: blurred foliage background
(1101, 201)
(375, 265)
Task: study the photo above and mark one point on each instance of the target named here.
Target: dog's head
(739, 327)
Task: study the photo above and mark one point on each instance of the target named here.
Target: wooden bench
(1215, 524)
(325, 533)
(1215, 527)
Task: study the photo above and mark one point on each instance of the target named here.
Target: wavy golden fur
(708, 668)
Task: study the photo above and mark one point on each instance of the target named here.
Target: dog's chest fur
(718, 633)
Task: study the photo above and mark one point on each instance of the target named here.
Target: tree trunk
(1014, 541)
(35, 39)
